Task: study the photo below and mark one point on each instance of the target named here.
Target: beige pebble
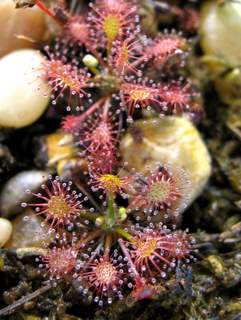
(169, 140)
(29, 232)
(20, 28)
(5, 231)
(220, 30)
(24, 95)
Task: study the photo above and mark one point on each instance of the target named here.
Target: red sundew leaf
(58, 204)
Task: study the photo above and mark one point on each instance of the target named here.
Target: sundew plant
(119, 236)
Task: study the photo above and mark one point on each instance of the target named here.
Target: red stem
(106, 109)
(108, 241)
(127, 255)
(43, 7)
(93, 235)
(97, 105)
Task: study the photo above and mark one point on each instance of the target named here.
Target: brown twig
(14, 306)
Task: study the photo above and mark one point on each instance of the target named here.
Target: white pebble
(24, 95)
(5, 231)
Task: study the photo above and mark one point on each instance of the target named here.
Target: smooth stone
(56, 151)
(169, 140)
(5, 231)
(220, 30)
(28, 231)
(20, 28)
(14, 191)
(24, 95)
(51, 150)
(228, 87)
